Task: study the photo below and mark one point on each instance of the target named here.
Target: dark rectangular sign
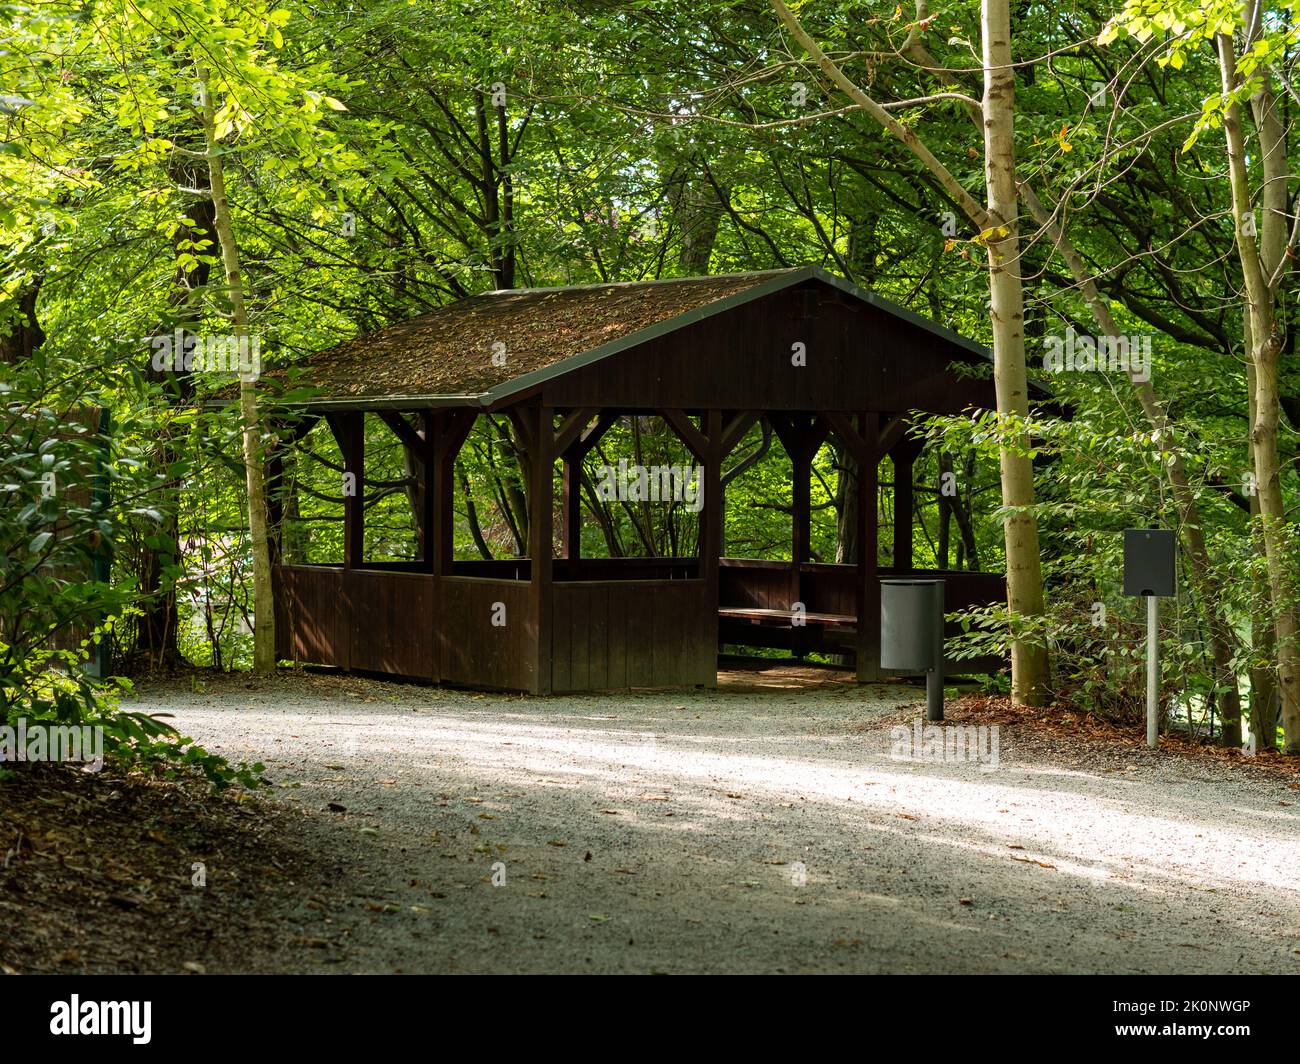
(1149, 561)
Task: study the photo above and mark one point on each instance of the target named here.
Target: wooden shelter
(810, 352)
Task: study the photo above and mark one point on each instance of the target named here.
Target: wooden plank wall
(829, 589)
(310, 615)
(606, 635)
(610, 635)
(391, 620)
(475, 652)
(754, 584)
(404, 624)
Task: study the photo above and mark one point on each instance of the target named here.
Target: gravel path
(744, 830)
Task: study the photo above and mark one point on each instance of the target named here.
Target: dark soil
(96, 876)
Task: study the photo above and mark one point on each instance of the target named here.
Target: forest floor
(768, 826)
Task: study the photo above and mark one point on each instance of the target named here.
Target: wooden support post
(904, 457)
(429, 483)
(541, 550)
(450, 431)
(711, 518)
(442, 490)
(349, 432)
(275, 502)
(868, 578)
(800, 519)
(572, 507)
(354, 538)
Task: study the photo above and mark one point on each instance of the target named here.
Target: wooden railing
(622, 623)
(409, 624)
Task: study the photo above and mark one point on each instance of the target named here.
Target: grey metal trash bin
(911, 634)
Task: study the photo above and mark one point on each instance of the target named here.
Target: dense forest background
(298, 174)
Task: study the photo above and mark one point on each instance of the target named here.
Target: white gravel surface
(744, 830)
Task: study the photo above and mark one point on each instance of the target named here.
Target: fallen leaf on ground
(1030, 860)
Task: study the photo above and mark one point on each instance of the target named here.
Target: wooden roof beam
(696, 441)
(410, 437)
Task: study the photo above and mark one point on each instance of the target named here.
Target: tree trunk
(254, 468)
(295, 536)
(1263, 641)
(698, 214)
(1024, 570)
(471, 515)
(1265, 352)
(22, 335)
(158, 628)
(998, 222)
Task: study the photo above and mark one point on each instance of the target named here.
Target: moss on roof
(450, 351)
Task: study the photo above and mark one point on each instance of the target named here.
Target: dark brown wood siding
(391, 620)
(608, 635)
(858, 358)
(356, 619)
(474, 651)
(310, 615)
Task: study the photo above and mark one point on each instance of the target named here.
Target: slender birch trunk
(1263, 636)
(254, 468)
(1265, 354)
(1024, 566)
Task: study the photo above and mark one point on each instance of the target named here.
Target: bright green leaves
(1211, 118)
(1180, 29)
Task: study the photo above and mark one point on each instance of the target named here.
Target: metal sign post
(1153, 669)
(1149, 573)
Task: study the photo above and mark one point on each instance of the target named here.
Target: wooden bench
(785, 618)
(828, 633)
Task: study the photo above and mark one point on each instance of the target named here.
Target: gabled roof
(446, 357)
